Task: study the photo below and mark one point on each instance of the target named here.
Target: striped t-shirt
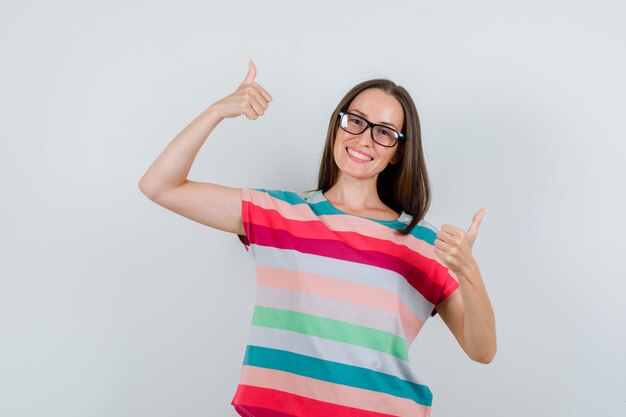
(340, 298)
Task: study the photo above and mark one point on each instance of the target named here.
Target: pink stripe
(428, 277)
(349, 292)
(330, 392)
(313, 229)
(339, 222)
(296, 405)
(288, 210)
(330, 308)
(427, 274)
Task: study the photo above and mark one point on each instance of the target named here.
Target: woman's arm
(469, 315)
(467, 312)
(165, 182)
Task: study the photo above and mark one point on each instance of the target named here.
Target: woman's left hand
(454, 245)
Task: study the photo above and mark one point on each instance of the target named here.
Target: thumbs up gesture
(454, 246)
(249, 99)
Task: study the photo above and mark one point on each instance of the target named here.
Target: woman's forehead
(378, 107)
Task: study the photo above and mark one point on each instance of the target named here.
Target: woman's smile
(358, 156)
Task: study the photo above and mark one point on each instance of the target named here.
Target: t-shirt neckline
(324, 200)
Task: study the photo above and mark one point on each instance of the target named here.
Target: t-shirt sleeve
(245, 216)
(449, 284)
(440, 274)
(254, 202)
(264, 214)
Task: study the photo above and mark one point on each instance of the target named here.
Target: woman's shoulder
(425, 231)
(282, 195)
(312, 196)
(427, 225)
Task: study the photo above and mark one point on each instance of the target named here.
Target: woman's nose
(365, 137)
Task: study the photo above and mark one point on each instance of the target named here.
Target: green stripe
(337, 373)
(331, 329)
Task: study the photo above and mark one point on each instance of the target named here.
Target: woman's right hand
(249, 99)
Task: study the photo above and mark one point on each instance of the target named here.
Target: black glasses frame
(370, 125)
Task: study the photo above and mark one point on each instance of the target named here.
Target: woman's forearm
(171, 168)
(479, 328)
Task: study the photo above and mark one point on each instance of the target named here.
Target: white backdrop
(113, 306)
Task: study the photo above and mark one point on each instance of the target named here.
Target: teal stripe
(293, 199)
(337, 373)
(286, 196)
(322, 208)
(326, 328)
(424, 233)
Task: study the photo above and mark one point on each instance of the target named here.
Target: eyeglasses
(381, 134)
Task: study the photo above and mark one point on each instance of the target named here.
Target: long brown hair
(404, 185)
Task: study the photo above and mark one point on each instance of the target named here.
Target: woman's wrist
(214, 113)
(469, 272)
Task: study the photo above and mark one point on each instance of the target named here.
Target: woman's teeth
(359, 155)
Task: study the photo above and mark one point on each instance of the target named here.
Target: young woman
(347, 273)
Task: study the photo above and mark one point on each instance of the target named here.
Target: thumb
(478, 218)
(251, 73)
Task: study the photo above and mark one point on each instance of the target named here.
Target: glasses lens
(353, 124)
(385, 136)
(356, 125)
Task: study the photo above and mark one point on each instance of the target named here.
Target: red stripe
(428, 278)
(248, 411)
(318, 230)
(284, 402)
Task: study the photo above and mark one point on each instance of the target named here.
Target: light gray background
(113, 306)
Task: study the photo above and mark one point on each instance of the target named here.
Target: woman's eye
(384, 132)
(355, 121)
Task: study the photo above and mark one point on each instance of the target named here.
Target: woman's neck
(357, 197)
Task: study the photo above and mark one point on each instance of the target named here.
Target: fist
(454, 245)
(249, 99)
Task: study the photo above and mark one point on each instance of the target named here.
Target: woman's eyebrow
(360, 113)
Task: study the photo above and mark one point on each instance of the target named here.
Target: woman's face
(358, 155)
